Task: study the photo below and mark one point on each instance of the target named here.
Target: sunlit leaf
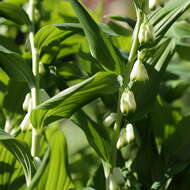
(65, 103)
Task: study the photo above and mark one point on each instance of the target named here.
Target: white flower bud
(27, 101)
(146, 32)
(26, 124)
(130, 136)
(153, 4)
(139, 72)
(122, 139)
(109, 120)
(127, 102)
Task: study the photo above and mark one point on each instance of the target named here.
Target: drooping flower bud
(26, 124)
(122, 139)
(127, 102)
(139, 72)
(27, 102)
(153, 4)
(146, 32)
(109, 120)
(130, 136)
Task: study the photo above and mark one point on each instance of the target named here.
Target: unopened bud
(153, 4)
(139, 72)
(26, 124)
(122, 139)
(127, 103)
(109, 120)
(130, 136)
(27, 102)
(146, 32)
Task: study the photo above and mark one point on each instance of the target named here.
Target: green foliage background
(80, 60)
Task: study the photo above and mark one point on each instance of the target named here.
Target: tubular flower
(127, 102)
(139, 72)
(130, 136)
(146, 32)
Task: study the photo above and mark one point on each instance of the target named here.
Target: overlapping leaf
(21, 152)
(49, 35)
(56, 175)
(97, 136)
(14, 13)
(15, 66)
(65, 103)
(164, 17)
(100, 46)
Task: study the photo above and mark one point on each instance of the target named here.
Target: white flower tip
(139, 72)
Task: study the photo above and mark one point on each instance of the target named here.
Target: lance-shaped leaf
(163, 18)
(50, 35)
(14, 13)
(21, 152)
(100, 46)
(65, 103)
(145, 93)
(97, 136)
(15, 66)
(56, 175)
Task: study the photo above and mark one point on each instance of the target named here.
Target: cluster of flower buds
(127, 102)
(115, 179)
(146, 32)
(126, 136)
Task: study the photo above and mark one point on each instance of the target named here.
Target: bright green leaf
(65, 103)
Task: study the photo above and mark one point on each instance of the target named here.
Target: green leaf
(145, 93)
(100, 46)
(15, 66)
(96, 135)
(14, 13)
(21, 152)
(65, 103)
(13, 103)
(163, 18)
(56, 175)
(111, 29)
(49, 36)
(125, 19)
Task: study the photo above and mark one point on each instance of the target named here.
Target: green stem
(35, 69)
(134, 47)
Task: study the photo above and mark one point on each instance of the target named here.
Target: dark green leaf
(97, 136)
(14, 13)
(49, 36)
(15, 66)
(100, 46)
